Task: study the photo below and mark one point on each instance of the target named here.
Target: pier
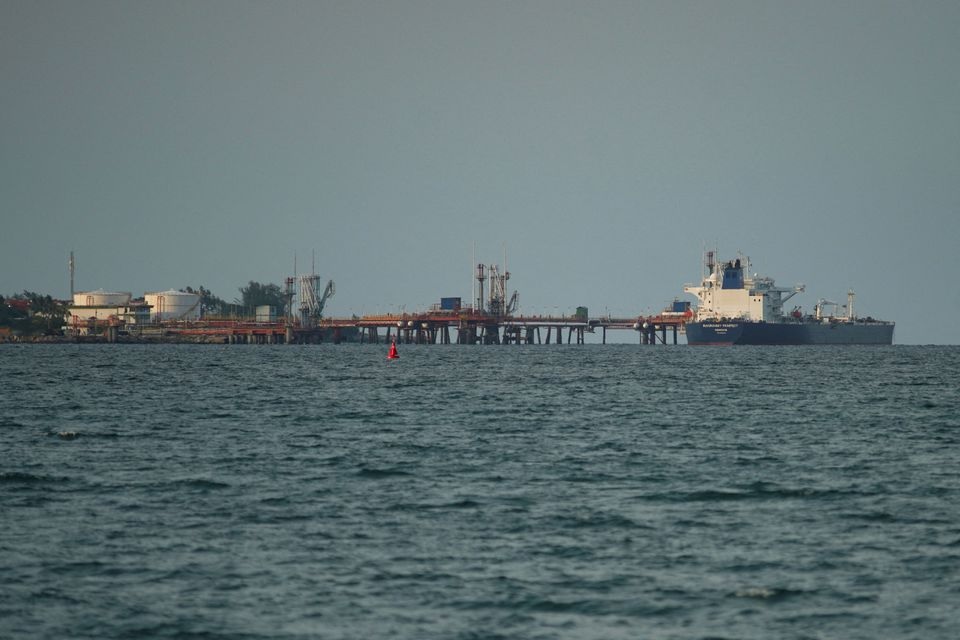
(492, 318)
(432, 327)
(473, 328)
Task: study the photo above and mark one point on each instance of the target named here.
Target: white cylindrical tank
(173, 305)
(101, 298)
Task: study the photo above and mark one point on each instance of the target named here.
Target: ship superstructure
(729, 291)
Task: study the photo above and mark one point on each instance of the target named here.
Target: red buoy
(393, 355)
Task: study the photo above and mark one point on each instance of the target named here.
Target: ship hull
(788, 333)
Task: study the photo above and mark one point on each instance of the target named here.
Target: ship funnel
(733, 275)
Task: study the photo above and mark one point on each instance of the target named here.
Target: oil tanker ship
(737, 308)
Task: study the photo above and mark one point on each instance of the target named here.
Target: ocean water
(553, 491)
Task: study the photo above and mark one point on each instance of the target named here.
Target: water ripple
(543, 492)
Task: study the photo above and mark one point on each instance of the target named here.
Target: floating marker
(393, 355)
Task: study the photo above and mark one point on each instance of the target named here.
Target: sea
(475, 492)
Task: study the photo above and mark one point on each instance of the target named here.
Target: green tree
(211, 304)
(255, 295)
(46, 315)
(9, 315)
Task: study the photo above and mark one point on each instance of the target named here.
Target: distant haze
(176, 143)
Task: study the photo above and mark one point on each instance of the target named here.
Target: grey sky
(204, 143)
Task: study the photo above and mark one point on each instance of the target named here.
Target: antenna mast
(481, 276)
(73, 266)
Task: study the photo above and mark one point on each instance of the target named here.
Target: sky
(600, 145)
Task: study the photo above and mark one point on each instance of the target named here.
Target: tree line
(31, 313)
(252, 296)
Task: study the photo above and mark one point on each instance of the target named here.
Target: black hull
(788, 333)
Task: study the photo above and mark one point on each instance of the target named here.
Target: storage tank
(101, 298)
(173, 305)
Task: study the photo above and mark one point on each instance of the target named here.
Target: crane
(499, 305)
(312, 300)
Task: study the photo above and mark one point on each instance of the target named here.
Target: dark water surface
(479, 492)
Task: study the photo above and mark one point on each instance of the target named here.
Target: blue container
(450, 304)
(679, 306)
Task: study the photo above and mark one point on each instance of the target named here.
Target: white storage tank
(173, 305)
(101, 298)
